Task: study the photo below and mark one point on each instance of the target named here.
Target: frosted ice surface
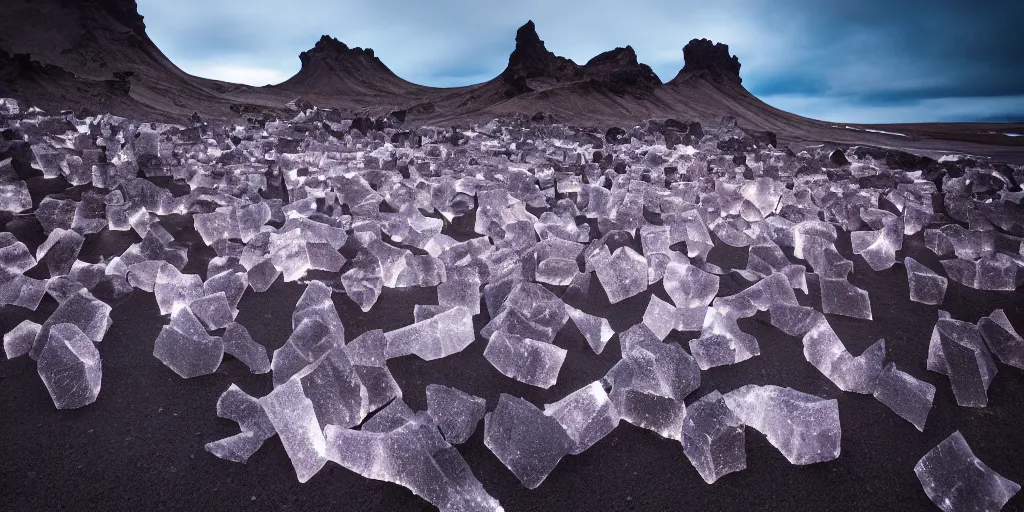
(713, 438)
(824, 350)
(239, 344)
(295, 421)
(595, 329)
(91, 315)
(232, 284)
(587, 415)
(926, 286)
(441, 336)
(803, 427)
(1002, 339)
(19, 340)
(219, 225)
(414, 455)
(533, 362)
(460, 292)
(18, 290)
(70, 367)
(557, 271)
(186, 348)
(174, 290)
(879, 247)
(316, 303)
(624, 275)
(662, 368)
(660, 317)
(998, 272)
(60, 251)
(307, 343)
(368, 349)
(792, 319)
(956, 480)
(262, 274)
(525, 440)
(236, 405)
(721, 341)
(364, 282)
(213, 311)
(659, 414)
(689, 286)
(958, 350)
(14, 255)
(907, 396)
(839, 297)
(455, 412)
(335, 389)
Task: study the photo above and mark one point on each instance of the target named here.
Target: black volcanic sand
(140, 445)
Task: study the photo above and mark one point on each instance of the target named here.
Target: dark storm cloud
(863, 61)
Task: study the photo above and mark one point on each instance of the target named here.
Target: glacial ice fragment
(587, 415)
(236, 405)
(803, 427)
(294, 419)
(957, 481)
(188, 351)
(958, 350)
(441, 336)
(623, 275)
(907, 396)
(532, 362)
(824, 350)
(70, 367)
(1002, 339)
(455, 412)
(525, 440)
(60, 251)
(239, 344)
(926, 286)
(689, 286)
(19, 340)
(595, 329)
(713, 438)
(840, 297)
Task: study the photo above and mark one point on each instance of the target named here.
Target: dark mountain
(95, 55)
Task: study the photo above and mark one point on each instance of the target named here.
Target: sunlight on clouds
(236, 73)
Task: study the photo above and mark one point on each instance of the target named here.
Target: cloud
(872, 58)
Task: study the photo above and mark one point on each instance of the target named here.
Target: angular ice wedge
(70, 367)
(262, 274)
(239, 344)
(316, 303)
(415, 456)
(368, 349)
(185, 347)
(18, 290)
(956, 480)
(15, 257)
(307, 343)
(907, 396)
(236, 405)
(19, 340)
(60, 251)
(294, 257)
(454, 412)
(557, 271)
(587, 415)
(659, 414)
(794, 320)
(660, 317)
(174, 290)
(997, 272)
(721, 341)
(936, 362)
(532, 362)
(803, 427)
(960, 353)
(525, 440)
(421, 312)
(926, 286)
(824, 350)
(394, 416)
(689, 286)
(213, 311)
(90, 314)
(441, 336)
(713, 438)
(294, 420)
(839, 297)
(623, 275)
(380, 385)
(335, 389)
(651, 365)
(219, 225)
(878, 248)
(595, 329)
(1002, 339)
(364, 282)
(463, 292)
(232, 284)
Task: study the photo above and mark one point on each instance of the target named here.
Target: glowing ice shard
(587, 415)
(441, 336)
(907, 396)
(455, 412)
(294, 420)
(525, 440)
(235, 405)
(70, 367)
(803, 427)
(713, 438)
(956, 480)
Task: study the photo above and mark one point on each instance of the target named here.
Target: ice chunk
(18, 290)
(525, 440)
(659, 414)
(186, 348)
(463, 292)
(335, 389)
(307, 343)
(15, 257)
(660, 317)
(529, 361)
(454, 412)
(294, 419)
(794, 320)
(713, 438)
(879, 247)
(91, 315)
(213, 311)
(907, 396)
(587, 415)
(239, 344)
(958, 350)
(803, 427)
(19, 340)
(997, 272)
(235, 405)
(557, 271)
(623, 275)
(174, 290)
(595, 329)
(364, 282)
(368, 349)
(60, 251)
(1002, 339)
(926, 286)
(955, 480)
(839, 297)
(70, 367)
(413, 455)
(689, 286)
(441, 336)
(824, 350)
(721, 341)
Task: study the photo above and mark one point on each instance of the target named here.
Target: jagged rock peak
(617, 57)
(530, 51)
(328, 46)
(705, 55)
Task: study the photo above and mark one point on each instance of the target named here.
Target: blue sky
(868, 61)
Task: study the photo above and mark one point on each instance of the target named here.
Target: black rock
(615, 135)
(705, 55)
(838, 158)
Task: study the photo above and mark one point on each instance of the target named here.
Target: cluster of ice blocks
(560, 218)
